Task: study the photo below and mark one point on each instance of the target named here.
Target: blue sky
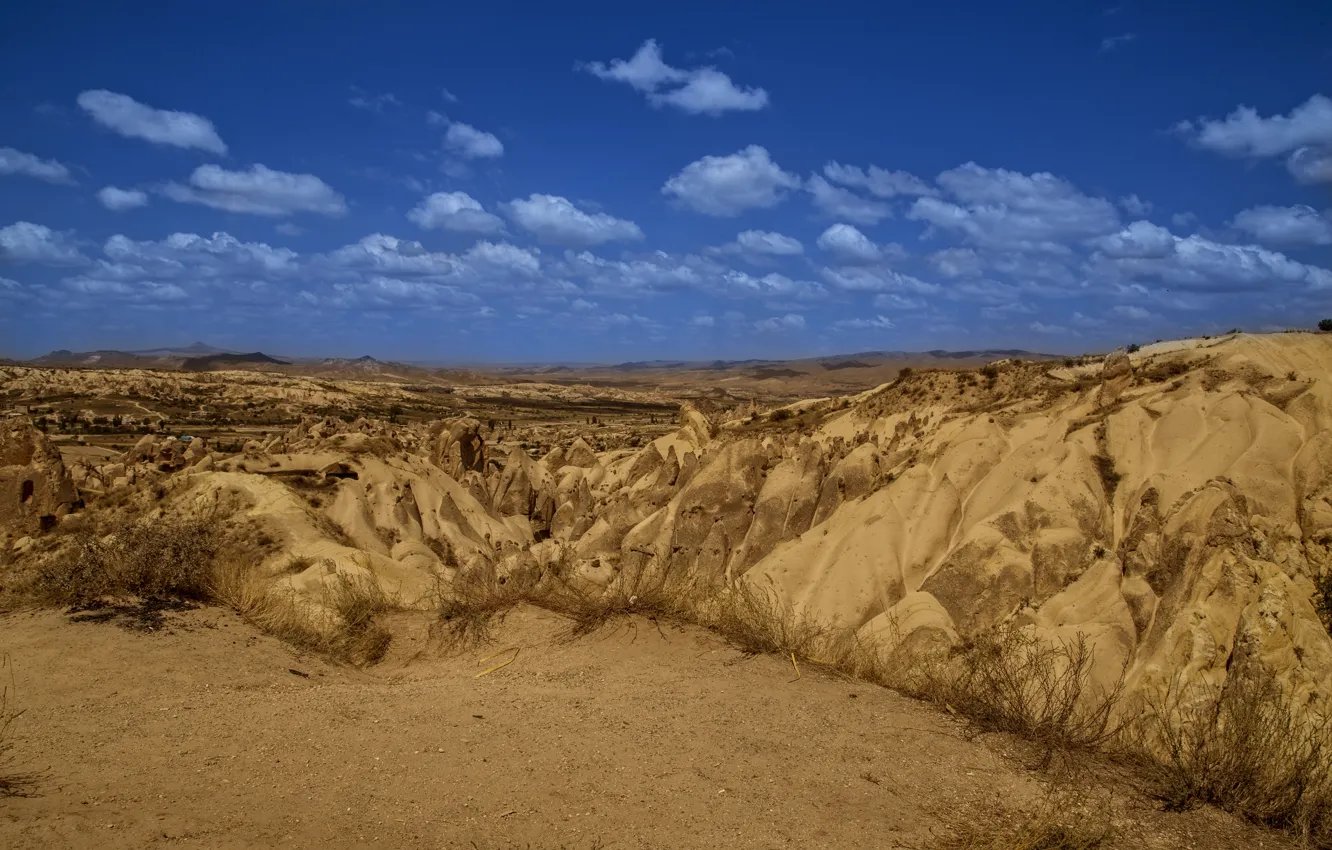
(596, 184)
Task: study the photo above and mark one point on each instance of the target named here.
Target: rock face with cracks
(1173, 506)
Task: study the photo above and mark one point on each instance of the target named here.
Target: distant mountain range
(866, 368)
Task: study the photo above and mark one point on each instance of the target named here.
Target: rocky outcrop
(35, 488)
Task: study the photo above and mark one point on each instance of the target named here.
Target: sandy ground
(199, 734)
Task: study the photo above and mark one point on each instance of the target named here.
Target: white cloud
(957, 262)
(1311, 165)
(1183, 219)
(874, 323)
(372, 102)
(1137, 314)
(1111, 42)
(391, 255)
(776, 324)
(891, 300)
(878, 279)
(1197, 263)
(759, 243)
(119, 200)
(729, 185)
(126, 116)
(1245, 133)
(26, 242)
(836, 202)
(703, 322)
(448, 95)
(655, 272)
(1052, 330)
(286, 228)
(1139, 239)
(501, 256)
(1297, 225)
(556, 220)
(877, 181)
(740, 284)
(698, 91)
(1012, 211)
(468, 142)
(190, 256)
(457, 211)
(849, 245)
(1135, 206)
(25, 164)
(260, 191)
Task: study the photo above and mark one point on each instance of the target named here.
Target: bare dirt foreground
(635, 738)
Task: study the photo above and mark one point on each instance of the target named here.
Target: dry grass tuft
(656, 597)
(347, 626)
(1063, 822)
(13, 782)
(1244, 748)
(1008, 680)
(476, 597)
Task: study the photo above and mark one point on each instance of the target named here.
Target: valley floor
(206, 733)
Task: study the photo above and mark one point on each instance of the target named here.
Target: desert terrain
(880, 600)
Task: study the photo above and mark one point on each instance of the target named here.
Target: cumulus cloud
(1200, 264)
(957, 262)
(25, 242)
(558, 221)
(1139, 239)
(466, 141)
(698, 91)
(777, 324)
(124, 115)
(258, 190)
(457, 211)
(1135, 206)
(27, 165)
(878, 279)
(874, 323)
(836, 202)
(729, 185)
(1311, 165)
(772, 286)
(1297, 225)
(763, 243)
(1305, 134)
(1245, 133)
(849, 245)
(877, 181)
(119, 200)
(1008, 210)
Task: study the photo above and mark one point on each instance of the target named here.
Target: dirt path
(198, 735)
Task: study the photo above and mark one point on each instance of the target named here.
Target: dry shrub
(674, 596)
(1062, 822)
(756, 620)
(165, 558)
(1244, 748)
(360, 636)
(1006, 679)
(476, 596)
(13, 782)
